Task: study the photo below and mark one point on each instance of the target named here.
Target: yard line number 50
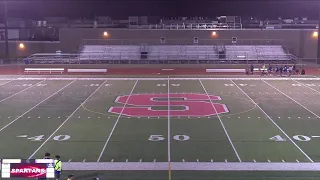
(175, 137)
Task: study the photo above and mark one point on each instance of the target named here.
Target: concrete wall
(31, 47)
(299, 42)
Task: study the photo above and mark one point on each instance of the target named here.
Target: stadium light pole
(6, 28)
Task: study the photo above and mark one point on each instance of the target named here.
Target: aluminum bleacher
(170, 54)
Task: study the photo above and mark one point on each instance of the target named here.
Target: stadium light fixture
(21, 46)
(315, 34)
(105, 34)
(214, 33)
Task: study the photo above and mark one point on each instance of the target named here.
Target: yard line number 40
(41, 137)
(278, 138)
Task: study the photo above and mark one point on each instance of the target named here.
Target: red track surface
(14, 70)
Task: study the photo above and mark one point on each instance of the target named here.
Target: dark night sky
(120, 9)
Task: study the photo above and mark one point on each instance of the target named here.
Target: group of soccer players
(281, 70)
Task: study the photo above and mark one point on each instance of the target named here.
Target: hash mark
(58, 117)
(278, 117)
(9, 117)
(49, 117)
(238, 117)
(309, 117)
(78, 116)
(99, 117)
(259, 117)
(29, 117)
(89, 117)
(39, 117)
(248, 117)
(289, 117)
(297, 160)
(299, 117)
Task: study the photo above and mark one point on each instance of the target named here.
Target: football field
(163, 125)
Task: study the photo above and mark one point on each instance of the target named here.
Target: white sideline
(190, 166)
(225, 130)
(35, 106)
(115, 124)
(273, 121)
(191, 78)
(66, 120)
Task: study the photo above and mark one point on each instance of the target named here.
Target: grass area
(163, 120)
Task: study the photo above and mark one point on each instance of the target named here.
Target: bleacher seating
(261, 52)
(171, 54)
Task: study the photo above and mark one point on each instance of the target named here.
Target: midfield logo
(156, 105)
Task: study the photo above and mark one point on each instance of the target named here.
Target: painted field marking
(68, 117)
(190, 166)
(115, 124)
(20, 91)
(225, 130)
(169, 136)
(306, 86)
(273, 122)
(180, 78)
(291, 99)
(35, 106)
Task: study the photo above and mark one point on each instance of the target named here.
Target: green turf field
(166, 125)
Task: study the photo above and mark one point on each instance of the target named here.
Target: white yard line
(66, 120)
(225, 130)
(272, 121)
(191, 166)
(306, 86)
(35, 106)
(291, 99)
(169, 129)
(115, 124)
(21, 91)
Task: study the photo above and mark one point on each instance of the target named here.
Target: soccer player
(46, 156)
(277, 69)
(251, 68)
(70, 177)
(57, 167)
(270, 69)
